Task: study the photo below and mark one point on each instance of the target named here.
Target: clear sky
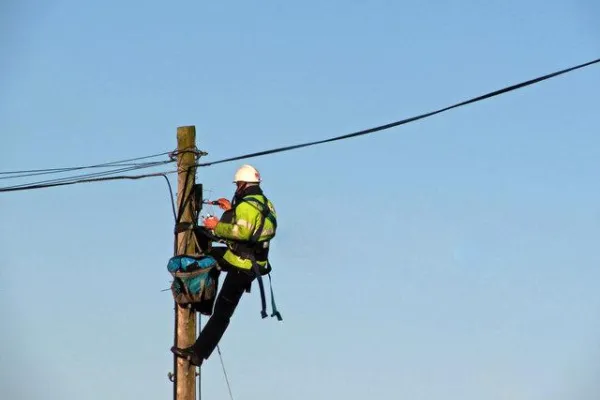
(453, 258)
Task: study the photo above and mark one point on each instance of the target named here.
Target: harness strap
(265, 214)
(263, 311)
(273, 306)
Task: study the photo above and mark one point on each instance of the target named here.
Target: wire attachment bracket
(173, 154)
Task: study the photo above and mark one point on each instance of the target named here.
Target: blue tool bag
(195, 282)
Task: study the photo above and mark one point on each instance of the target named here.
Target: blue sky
(452, 258)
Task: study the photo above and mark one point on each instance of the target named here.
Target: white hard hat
(247, 173)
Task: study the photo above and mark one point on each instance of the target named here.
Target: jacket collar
(249, 191)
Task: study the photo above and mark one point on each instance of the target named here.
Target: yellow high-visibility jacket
(252, 225)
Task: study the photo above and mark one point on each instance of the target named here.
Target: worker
(247, 226)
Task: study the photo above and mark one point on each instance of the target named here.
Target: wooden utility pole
(185, 373)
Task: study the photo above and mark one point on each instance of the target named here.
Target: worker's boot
(189, 354)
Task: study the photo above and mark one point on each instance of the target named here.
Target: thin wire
(83, 178)
(75, 178)
(404, 121)
(107, 173)
(9, 175)
(209, 194)
(225, 372)
(101, 179)
(66, 169)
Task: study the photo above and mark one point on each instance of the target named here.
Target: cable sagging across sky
(106, 175)
(406, 120)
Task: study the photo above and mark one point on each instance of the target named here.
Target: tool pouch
(195, 282)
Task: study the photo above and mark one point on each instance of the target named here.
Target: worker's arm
(241, 227)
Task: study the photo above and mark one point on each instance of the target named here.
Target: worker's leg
(236, 282)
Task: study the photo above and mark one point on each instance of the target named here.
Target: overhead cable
(14, 175)
(404, 121)
(103, 176)
(86, 180)
(72, 178)
(68, 169)
(91, 177)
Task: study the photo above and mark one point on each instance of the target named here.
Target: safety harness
(248, 249)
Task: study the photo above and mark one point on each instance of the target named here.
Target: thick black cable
(171, 197)
(78, 179)
(186, 199)
(407, 120)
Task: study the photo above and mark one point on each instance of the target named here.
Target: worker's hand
(224, 204)
(211, 222)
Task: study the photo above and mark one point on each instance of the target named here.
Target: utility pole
(185, 319)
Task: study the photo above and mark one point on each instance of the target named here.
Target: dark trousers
(235, 284)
